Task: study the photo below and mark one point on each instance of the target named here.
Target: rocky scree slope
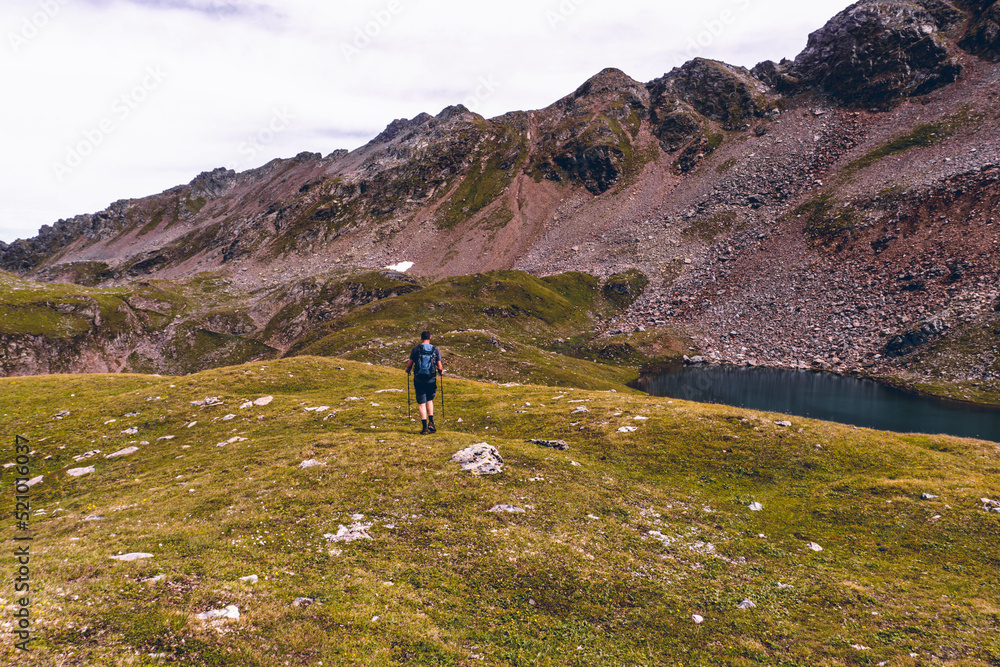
(777, 212)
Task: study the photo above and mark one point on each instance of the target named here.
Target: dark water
(826, 396)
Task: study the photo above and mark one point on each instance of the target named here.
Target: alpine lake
(825, 396)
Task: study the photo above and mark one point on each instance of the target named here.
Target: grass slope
(606, 567)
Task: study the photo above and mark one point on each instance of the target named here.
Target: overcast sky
(116, 99)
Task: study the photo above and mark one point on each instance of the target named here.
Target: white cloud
(231, 67)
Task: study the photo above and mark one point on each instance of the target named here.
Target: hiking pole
(442, 397)
(407, 397)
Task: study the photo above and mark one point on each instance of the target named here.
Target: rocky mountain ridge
(775, 211)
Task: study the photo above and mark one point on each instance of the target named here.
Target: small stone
(251, 579)
(207, 402)
(311, 463)
(228, 418)
(698, 620)
(230, 612)
(303, 602)
(928, 496)
(747, 604)
(510, 509)
(128, 451)
(322, 408)
(783, 587)
(246, 404)
(814, 547)
(756, 507)
(554, 444)
(263, 401)
(784, 424)
(130, 431)
(94, 517)
(80, 472)
(353, 399)
(627, 429)
(128, 558)
(357, 531)
(580, 410)
(389, 391)
(166, 437)
(35, 480)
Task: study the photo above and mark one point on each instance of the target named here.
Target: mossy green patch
(624, 537)
(623, 289)
(927, 134)
(824, 219)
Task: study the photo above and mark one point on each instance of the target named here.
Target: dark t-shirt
(435, 358)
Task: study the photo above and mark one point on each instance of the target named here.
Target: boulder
(873, 55)
(983, 36)
(479, 459)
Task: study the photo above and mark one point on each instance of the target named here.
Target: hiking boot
(426, 431)
(431, 428)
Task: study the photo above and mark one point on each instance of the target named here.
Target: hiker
(427, 360)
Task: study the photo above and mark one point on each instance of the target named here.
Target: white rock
(207, 402)
(245, 405)
(322, 408)
(80, 472)
(311, 463)
(580, 410)
(192, 424)
(303, 602)
(783, 587)
(510, 509)
(814, 547)
(35, 480)
(756, 507)
(627, 429)
(352, 399)
(357, 531)
(263, 401)
(228, 418)
(125, 452)
(130, 431)
(784, 424)
(927, 496)
(575, 464)
(747, 604)
(251, 579)
(479, 459)
(230, 612)
(698, 620)
(128, 558)
(640, 419)
(94, 517)
(166, 437)
(389, 391)
(859, 647)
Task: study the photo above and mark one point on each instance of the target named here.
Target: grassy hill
(624, 537)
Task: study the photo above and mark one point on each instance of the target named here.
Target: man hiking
(427, 360)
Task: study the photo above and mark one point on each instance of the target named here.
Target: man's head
(425, 335)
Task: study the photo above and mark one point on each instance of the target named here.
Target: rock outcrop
(874, 54)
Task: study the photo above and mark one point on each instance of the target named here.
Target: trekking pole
(442, 397)
(407, 397)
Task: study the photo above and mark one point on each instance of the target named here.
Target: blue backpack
(425, 361)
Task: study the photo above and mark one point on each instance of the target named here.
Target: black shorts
(425, 390)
